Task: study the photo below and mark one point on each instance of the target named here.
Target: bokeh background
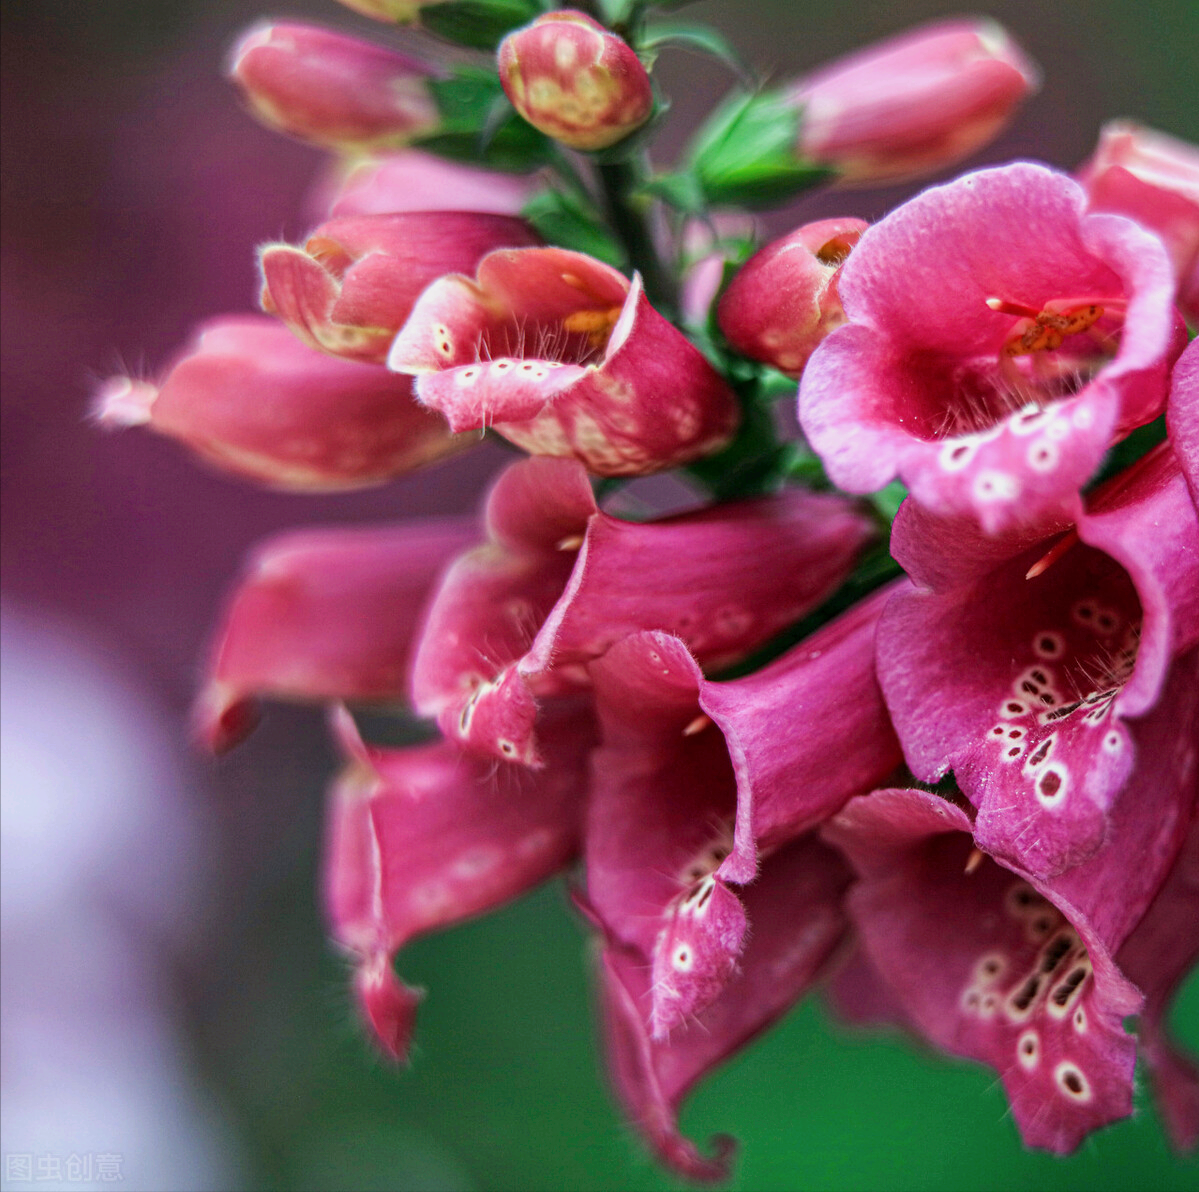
(168, 995)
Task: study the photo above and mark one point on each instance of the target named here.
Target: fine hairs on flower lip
(963, 797)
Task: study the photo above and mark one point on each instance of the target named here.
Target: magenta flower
(999, 340)
(1035, 674)
(798, 920)
(575, 81)
(421, 838)
(784, 300)
(248, 397)
(991, 962)
(354, 282)
(1154, 179)
(563, 356)
(331, 90)
(323, 615)
(694, 782)
(915, 103)
(558, 581)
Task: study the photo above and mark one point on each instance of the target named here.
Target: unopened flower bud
(1154, 179)
(575, 81)
(330, 90)
(914, 104)
(784, 301)
(350, 288)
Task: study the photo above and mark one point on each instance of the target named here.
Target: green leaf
(887, 501)
(564, 220)
(688, 35)
(681, 190)
(480, 24)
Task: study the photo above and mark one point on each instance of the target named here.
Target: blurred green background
(505, 1091)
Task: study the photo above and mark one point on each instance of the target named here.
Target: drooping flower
(348, 290)
(798, 921)
(331, 90)
(784, 300)
(694, 783)
(1000, 338)
(247, 396)
(1154, 179)
(991, 962)
(421, 838)
(558, 581)
(323, 616)
(913, 104)
(560, 354)
(574, 80)
(1034, 671)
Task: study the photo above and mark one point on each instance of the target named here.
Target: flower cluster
(944, 760)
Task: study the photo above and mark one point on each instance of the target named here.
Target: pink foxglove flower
(914, 104)
(247, 396)
(1022, 973)
(798, 921)
(784, 300)
(348, 290)
(560, 354)
(412, 180)
(421, 838)
(575, 81)
(558, 581)
(323, 615)
(1182, 416)
(1000, 338)
(694, 783)
(334, 91)
(1036, 676)
(1154, 179)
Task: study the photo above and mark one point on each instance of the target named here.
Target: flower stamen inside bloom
(1044, 330)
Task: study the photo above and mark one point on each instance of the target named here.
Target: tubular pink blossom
(561, 355)
(331, 90)
(1033, 673)
(323, 615)
(414, 181)
(914, 104)
(418, 839)
(1000, 338)
(1154, 179)
(575, 81)
(558, 581)
(248, 397)
(784, 300)
(348, 290)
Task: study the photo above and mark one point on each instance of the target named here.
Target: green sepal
(564, 220)
(688, 35)
(746, 153)
(479, 24)
(681, 191)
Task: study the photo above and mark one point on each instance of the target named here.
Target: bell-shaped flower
(411, 180)
(1034, 674)
(1022, 973)
(350, 287)
(560, 354)
(574, 80)
(1182, 416)
(784, 300)
(331, 90)
(558, 581)
(323, 615)
(913, 104)
(798, 920)
(1000, 339)
(247, 396)
(418, 839)
(695, 780)
(1154, 179)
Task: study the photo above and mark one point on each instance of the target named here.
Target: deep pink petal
(1182, 416)
(325, 615)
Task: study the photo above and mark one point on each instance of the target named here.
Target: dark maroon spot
(1028, 991)
(1072, 1082)
(1048, 699)
(1047, 644)
(1015, 708)
(1013, 753)
(703, 898)
(1040, 676)
(1041, 754)
(1030, 688)
(1055, 953)
(1051, 783)
(1069, 985)
(1015, 734)
(1065, 710)
(1028, 1047)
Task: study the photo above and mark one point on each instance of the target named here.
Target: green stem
(629, 220)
